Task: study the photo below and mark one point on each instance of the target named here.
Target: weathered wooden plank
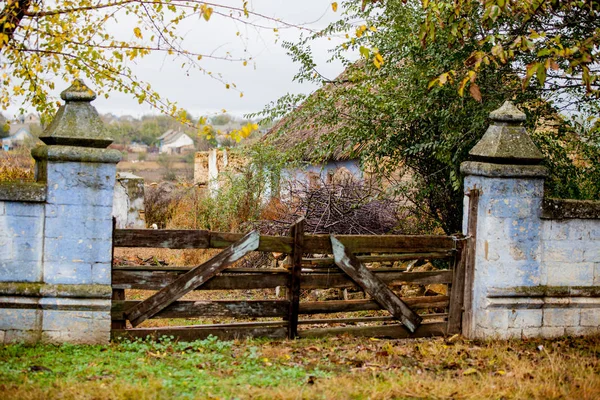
(157, 280)
(192, 279)
(353, 320)
(395, 331)
(162, 238)
(339, 280)
(374, 286)
(186, 268)
(273, 330)
(457, 289)
(117, 294)
(217, 308)
(293, 292)
(327, 261)
(336, 306)
(381, 243)
(467, 320)
(201, 239)
(193, 239)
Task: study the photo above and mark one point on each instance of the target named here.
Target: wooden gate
(341, 261)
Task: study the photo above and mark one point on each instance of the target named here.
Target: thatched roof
(307, 132)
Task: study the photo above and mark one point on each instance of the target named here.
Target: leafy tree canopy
(554, 42)
(386, 109)
(41, 40)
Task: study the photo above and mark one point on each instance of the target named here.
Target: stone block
(570, 274)
(20, 271)
(492, 229)
(2, 209)
(27, 249)
(67, 273)
(590, 317)
(86, 211)
(510, 273)
(561, 317)
(101, 273)
(73, 321)
(21, 209)
(515, 187)
(72, 175)
(525, 318)
(581, 330)
(563, 251)
(596, 274)
(595, 230)
(99, 229)
(514, 207)
(77, 250)
(552, 332)
(22, 226)
(531, 332)
(592, 251)
(22, 336)
(554, 230)
(493, 319)
(20, 319)
(579, 229)
(88, 196)
(523, 230)
(6, 247)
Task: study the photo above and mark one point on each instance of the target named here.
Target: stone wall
(128, 201)
(536, 269)
(210, 167)
(56, 233)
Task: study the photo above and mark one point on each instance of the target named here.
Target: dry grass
(16, 165)
(336, 368)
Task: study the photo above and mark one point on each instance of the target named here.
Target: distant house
(19, 138)
(339, 164)
(136, 147)
(175, 142)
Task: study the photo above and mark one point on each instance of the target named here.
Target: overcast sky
(265, 79)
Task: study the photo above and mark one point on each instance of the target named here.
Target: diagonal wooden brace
(374, 286)
(192, 279)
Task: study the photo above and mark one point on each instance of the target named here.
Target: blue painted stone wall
(522, 260)
(78, 232)
(21, 241)
(55, 257)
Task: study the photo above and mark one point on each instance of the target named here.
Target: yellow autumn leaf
(137, 32)
(334, 6)
(207, 12)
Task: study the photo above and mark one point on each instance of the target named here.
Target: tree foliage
(42, 40)
(554, 42)
(394, 110)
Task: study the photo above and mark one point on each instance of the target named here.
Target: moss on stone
(37, 289)
(23, 191)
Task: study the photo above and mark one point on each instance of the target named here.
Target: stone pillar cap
(508, 113)
(77, 122)
(506, 141)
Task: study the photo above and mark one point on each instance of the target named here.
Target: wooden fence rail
(302, 274)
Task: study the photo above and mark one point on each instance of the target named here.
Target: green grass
(335, 368)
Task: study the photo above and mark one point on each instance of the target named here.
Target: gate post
(55, 275)
(506, 179)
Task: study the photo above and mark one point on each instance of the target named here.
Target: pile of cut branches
(340, 208)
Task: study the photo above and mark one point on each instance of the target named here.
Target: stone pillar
(505, 168)
(76, 261)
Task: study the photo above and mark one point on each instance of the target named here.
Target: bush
(159, 202)
(16, 166)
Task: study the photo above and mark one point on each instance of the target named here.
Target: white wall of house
(182, 141)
